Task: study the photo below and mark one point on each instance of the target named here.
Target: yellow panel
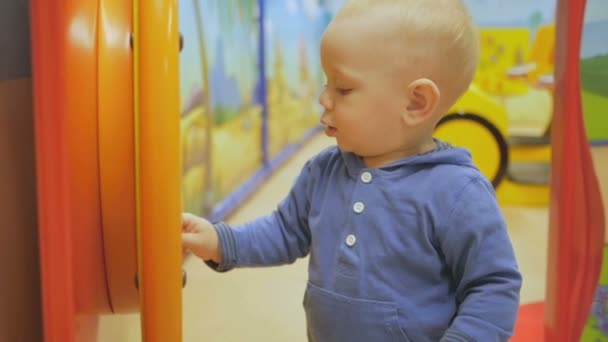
(158, 168)
(544, 45)
(502, 48)
(530, 153)
(514, 194)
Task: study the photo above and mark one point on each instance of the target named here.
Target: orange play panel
(107, 150)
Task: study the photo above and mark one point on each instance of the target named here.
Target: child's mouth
(330, 131)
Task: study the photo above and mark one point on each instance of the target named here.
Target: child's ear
(423, 99)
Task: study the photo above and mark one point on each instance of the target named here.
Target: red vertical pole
(576, 224)
(52, 165)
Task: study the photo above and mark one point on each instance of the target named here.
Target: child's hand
(199, 236)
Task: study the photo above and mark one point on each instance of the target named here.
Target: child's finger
(185, 252)
(188, 223)
(189, 240)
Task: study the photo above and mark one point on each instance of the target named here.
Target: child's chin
(343, 147)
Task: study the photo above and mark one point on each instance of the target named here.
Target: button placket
(358, 207)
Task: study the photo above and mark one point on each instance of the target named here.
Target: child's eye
(343, 91)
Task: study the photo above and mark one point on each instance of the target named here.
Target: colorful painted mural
(516, 62)
(517, 40)
(221, 118)
(594, 69)
(247, 94)
(594, 82)
(596, 329)
(293, 30)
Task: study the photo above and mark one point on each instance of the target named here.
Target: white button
(351, 240)
(366, 177)
(359, 207)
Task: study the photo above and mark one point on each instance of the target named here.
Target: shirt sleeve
(479, 253)
(275, 239)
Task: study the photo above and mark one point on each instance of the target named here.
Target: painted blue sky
(239, 46)
(517, 12)
(596, 11)
(287, 23)
(509, 13)
(596, 25)
(494, 12)
(503, 12)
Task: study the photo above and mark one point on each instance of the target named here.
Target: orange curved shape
(64, 50)
(117, 152)
(158, 168)
(80, 84)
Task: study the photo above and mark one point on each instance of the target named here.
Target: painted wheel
(487, 145)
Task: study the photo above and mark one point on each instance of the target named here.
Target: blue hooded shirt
(415, 251)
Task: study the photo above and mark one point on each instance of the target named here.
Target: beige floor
(265, 304)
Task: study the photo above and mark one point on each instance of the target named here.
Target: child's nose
(326, 101)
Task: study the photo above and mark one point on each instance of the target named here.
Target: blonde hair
(428, 28)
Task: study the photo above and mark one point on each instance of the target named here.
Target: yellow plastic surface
(476, 101)
(522, 195)
(157, 125)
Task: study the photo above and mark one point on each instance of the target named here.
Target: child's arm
(278, 238)
(478, 250)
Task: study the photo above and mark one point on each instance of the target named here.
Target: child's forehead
(342, 64)
(349, 39)
(354, 34)
(377, 31)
